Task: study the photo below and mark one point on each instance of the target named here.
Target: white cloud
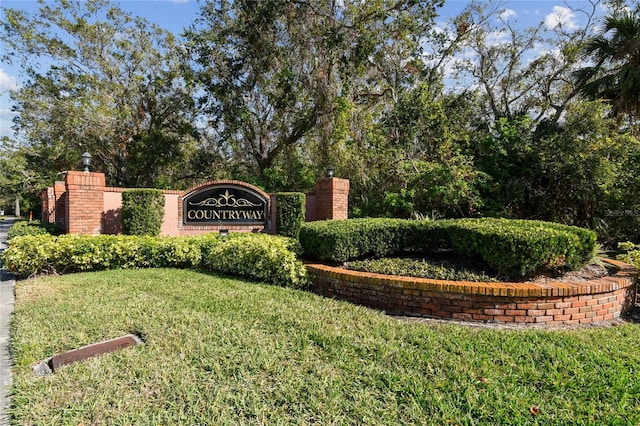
(7, 82)
(442, 28)
(506, 14)
(561, 17)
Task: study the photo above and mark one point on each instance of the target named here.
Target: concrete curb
(7, 301)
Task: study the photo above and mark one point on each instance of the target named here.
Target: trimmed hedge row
(522, 247)
(511, 247)
(257, 256)
(34, 227)
(342, 240)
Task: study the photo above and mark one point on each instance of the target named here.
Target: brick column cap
(91, 179)
(332, 184)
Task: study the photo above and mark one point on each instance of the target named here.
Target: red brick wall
(60, 194)
(84, 202)
(95, 209)
(332, 199)
(310, 207)
(556, 303)
(48, 205)
(53, 204)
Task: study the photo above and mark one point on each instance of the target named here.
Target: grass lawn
(228, 351)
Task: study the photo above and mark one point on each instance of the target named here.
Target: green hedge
(511, 247)
(268, 258)
(342, 240)
(142, 211)
(290, 213)
(34, 227)
(521, 247)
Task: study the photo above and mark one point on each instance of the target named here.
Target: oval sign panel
(225, 204)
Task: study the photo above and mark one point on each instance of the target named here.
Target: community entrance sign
(225, 204)
(83, 204)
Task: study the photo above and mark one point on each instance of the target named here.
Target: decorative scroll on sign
(225, 204)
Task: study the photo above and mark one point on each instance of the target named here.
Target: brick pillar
(48, 205)
(60, 204)
(85, 202)
(54, 203)
(332, 199)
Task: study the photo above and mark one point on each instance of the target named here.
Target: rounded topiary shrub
(513, 248)
(142, 211)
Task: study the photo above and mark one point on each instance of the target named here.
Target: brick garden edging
(577, 302)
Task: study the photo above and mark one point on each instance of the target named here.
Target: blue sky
(175, 15)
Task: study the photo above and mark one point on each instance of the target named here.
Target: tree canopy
(473, 117)
(615, 74)
(275, 73)
(112, 86)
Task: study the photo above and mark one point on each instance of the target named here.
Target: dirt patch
(586, 273)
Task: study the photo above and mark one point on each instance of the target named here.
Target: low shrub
(258, 256)
(521, 247)
(511, 247)
(263, 257)
(34, 227)
(631, 253)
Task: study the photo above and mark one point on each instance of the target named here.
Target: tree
(277, 72)
(99, 80)
(17, 180)
(511, 78)
(434, 176)
(615, 74)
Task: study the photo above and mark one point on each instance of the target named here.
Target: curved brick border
(555, 302)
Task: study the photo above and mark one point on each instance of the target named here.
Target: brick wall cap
(626, 276)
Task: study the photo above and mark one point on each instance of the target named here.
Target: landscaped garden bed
(220, 349)
(559, 302)
(524, 249)
(442, 267)
(517, 281)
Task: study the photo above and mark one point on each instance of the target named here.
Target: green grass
(227, 351)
